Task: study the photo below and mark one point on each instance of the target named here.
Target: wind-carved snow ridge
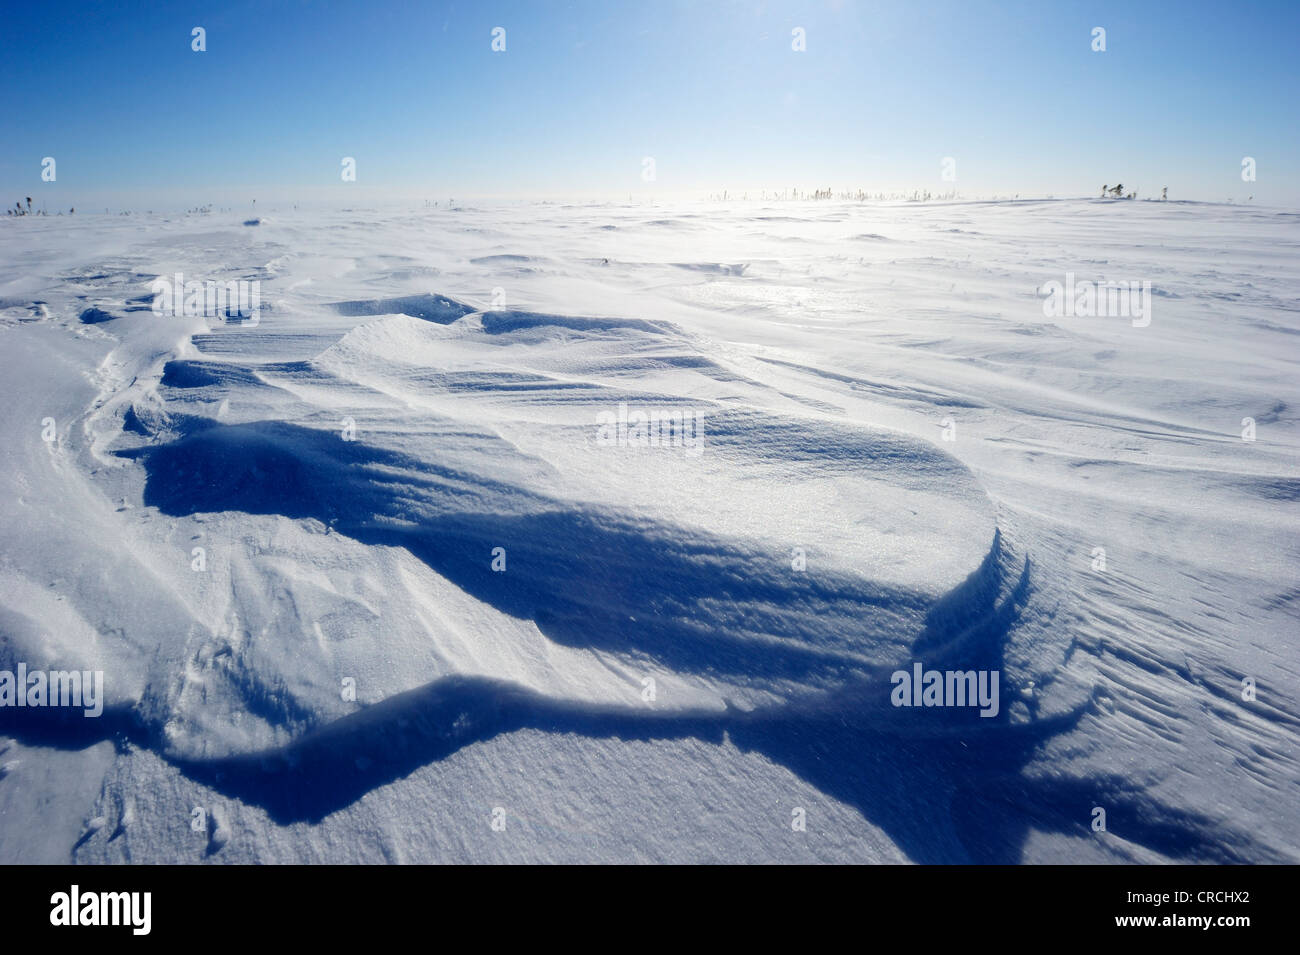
(710, 595)
(394, 557)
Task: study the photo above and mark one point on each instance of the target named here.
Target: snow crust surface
(678, 651)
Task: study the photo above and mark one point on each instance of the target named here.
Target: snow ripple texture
(364, 578)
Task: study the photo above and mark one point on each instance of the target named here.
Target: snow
(241, 523)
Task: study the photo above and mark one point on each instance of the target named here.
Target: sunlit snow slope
(363, 576)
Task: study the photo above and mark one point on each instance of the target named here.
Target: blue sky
(713, 91)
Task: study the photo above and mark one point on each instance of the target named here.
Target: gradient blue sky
(713, 91)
